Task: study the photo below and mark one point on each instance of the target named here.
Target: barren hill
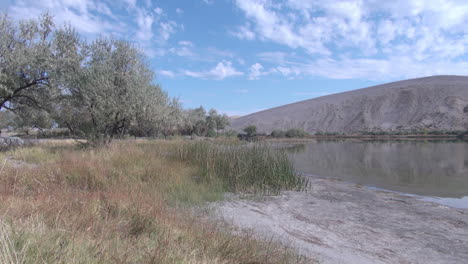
(430, 103)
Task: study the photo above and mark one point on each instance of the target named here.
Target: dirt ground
(338, 222)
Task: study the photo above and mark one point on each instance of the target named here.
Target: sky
(243, 56)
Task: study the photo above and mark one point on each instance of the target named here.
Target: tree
(171, 119)
(104, 96)
(98, 90)
(216, 122)
(194, 121)
(211, 121)
(250, 130)
(222, 122)
(156, 114)
(34, 56)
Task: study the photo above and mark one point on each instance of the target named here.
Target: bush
(296, 133)
(277, 133)
(250, 130)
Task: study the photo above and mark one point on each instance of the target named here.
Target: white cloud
(244, 32)
(167, 73)
(183, 50)
(78, 13)
(159, 11)
(145, 26)
(372, 69)
(222, 70)
(272, 25)
(186, 43)
(255, 71)
(360, 38)
(131, 3)
(288, 71)
(329, 38)
(167, 29)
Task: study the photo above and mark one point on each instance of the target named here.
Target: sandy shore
(338, 222)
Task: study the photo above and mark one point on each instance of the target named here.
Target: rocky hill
(432, 103)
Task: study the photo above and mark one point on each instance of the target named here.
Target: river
(433, 170)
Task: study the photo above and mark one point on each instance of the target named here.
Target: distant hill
(234, 117)
(431, 103)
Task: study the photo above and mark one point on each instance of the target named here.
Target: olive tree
(170, 119)
(216, 121)
(194, 122)
(34, 55)
(98, 90)
(156, 114)
(106, 93)
(197, 121)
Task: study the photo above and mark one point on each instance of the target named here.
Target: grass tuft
(249, 168)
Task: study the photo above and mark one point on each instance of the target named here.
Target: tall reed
(248, 168)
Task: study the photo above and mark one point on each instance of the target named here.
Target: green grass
(251, 168)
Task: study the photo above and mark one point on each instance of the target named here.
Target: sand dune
(430, 103)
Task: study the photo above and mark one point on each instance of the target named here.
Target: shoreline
(339, 222)
(366, 137)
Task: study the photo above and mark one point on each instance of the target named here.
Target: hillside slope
(430, 103)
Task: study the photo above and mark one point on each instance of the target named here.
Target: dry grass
(126, 203)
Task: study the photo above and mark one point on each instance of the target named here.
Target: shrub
(277, 133)
(296, 133)
(250, 130)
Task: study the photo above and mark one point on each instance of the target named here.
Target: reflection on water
(428, 168)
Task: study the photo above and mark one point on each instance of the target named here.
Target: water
(435, 170)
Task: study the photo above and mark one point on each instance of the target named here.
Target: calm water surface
(436, 170)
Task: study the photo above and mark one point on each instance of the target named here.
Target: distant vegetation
(250, 131)
(296, 133)
(412, 132)
(100, 90)
(290, 133)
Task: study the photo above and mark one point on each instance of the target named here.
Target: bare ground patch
(343, 223)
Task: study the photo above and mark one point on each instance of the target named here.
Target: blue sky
(241, 56)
